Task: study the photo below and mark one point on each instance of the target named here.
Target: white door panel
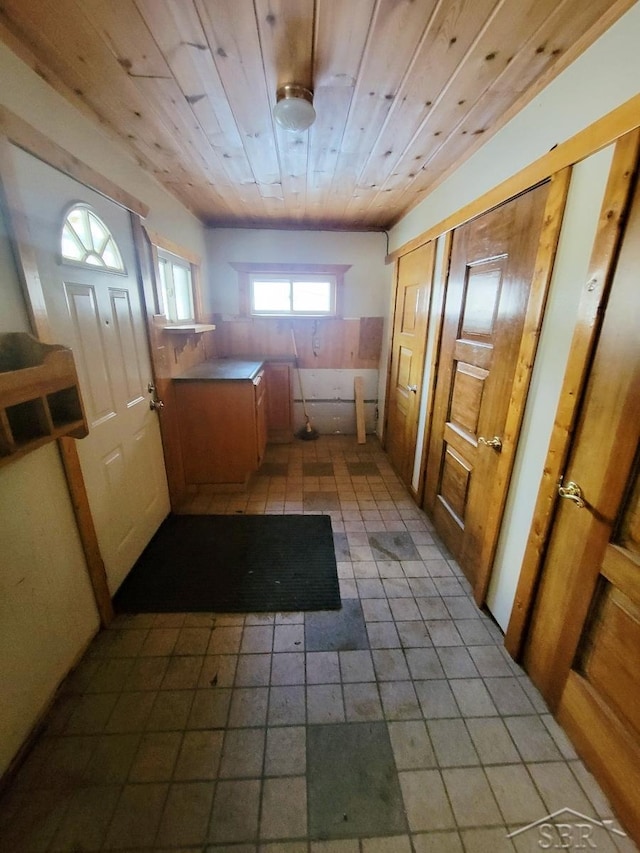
(99, 315)
(90, 353)
(134, 389)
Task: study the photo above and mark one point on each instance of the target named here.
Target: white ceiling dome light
(294, 108)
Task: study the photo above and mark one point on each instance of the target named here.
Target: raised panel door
(413, 293)
(99, 315)
(583, 646)
(491, 272)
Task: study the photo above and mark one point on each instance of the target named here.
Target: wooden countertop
(222, 369)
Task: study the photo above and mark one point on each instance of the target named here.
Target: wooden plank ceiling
(404, 90)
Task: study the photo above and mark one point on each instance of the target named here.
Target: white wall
(367, 283)
(367, 288)
(605, 76)
(47, 611)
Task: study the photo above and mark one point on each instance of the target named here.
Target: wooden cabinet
(278, 376)
(39, 395)
(222, 425)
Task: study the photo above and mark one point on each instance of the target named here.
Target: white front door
(99, 315)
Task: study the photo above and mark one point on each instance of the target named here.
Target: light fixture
(294, 108)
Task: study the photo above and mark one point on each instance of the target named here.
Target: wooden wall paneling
(398, 24)
(286, 38)
(335, 71)
(489, 59)
(545, 259)
(598, 135)
(27, 269)
(370, 340)
(67, 39)
(178, 32)
(404, 91)
(450, 34)
(338, 340)
(603, 257)
(531, 62)
(507, 57)
(137, 51)
(232, 35)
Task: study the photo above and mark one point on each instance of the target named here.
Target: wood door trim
(86, 528)
(168, 245)
(436, 315)
(603, 132)
(606, 245)
(22, 246)
(545, 257)
(581, 711)
(23, 135)
(144, 245)
(392, 326)
(27, 269)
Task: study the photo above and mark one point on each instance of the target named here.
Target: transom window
(282, 295)
(86, 240)
(176, 287)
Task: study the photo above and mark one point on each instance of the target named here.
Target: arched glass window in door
(87, 241)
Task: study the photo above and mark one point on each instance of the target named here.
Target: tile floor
(395, 725)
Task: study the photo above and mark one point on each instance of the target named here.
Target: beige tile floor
(190, 731)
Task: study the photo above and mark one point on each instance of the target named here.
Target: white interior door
(98, 314)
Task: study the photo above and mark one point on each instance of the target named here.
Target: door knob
(494, 442)
(156, 405)
(413, 388)
(572, 492)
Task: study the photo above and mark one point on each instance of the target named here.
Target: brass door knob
(572, 492)
(495, 442)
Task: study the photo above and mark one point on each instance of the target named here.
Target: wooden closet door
(583, 647)
(413, 292)
(492, 267)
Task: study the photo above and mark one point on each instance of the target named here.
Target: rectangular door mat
(234, 563)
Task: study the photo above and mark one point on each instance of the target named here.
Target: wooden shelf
(39, 395)
(189, 328)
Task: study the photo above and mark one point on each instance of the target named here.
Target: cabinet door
(217, 431)
(278, 404)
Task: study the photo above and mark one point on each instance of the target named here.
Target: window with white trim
(300, 295)
(88, 242)
(176, 288)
